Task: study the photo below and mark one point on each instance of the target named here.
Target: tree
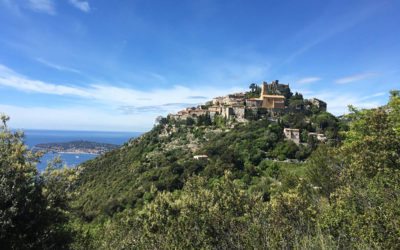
(255, 91)
(364, 211)
(31, 216)
(323, 170)
(161, 120)
(190, 121)
(285, 150)
(253, 87)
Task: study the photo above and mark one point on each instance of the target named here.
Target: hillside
(164, 158)
(224, 184)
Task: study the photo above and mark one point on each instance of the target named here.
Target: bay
(34, 137)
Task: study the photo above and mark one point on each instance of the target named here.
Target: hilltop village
(271, 101)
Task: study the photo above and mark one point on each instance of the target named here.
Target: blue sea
(33, 137)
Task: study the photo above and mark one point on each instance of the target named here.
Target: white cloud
(9, 78)
(82, 5)
(108, 94)
(75, 118)
(139, 107)
(57, 66)
(354, 78)
(308, 80)
(374, 95)
(45, 6)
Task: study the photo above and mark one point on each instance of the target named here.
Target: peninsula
(75, 147)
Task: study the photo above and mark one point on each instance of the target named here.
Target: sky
(117, 65)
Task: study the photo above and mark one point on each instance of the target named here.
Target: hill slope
(163, 159)
(240, 194)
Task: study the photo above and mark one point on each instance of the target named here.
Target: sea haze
(34, 137)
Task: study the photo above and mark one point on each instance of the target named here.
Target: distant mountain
(79, 147)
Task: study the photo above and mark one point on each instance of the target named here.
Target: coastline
(73, 153)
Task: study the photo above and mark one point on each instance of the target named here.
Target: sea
(34, 137)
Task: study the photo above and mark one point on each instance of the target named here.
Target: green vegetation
(33, 207)
(255, 189)
(254, 92)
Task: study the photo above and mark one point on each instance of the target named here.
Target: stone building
(292, 134)
(234, 99)
(239, 112)
(271, 95)
(197, 112)
(274, 88)
(218, 101)
(273, 101)
(227, 112)
(253, 103)
(216, 109)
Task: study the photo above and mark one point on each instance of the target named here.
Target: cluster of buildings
(272, 100)
(235, 106)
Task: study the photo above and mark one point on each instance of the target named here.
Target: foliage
(323, 170)
(365, 206)
(254, 92)
(197, 218)
(32, 207)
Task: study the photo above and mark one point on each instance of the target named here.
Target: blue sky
(116, 65)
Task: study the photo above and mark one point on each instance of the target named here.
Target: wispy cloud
(10, 78)
(329, 25)
(156, 76)
(81, 5)
(44, 6)
(112, 95)
(106, 107)
(368, 97)
(355, 78)
(76, 118)
(41, 6)
(197, 97)
(57, 66)
(160, 109)
(308, 80)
